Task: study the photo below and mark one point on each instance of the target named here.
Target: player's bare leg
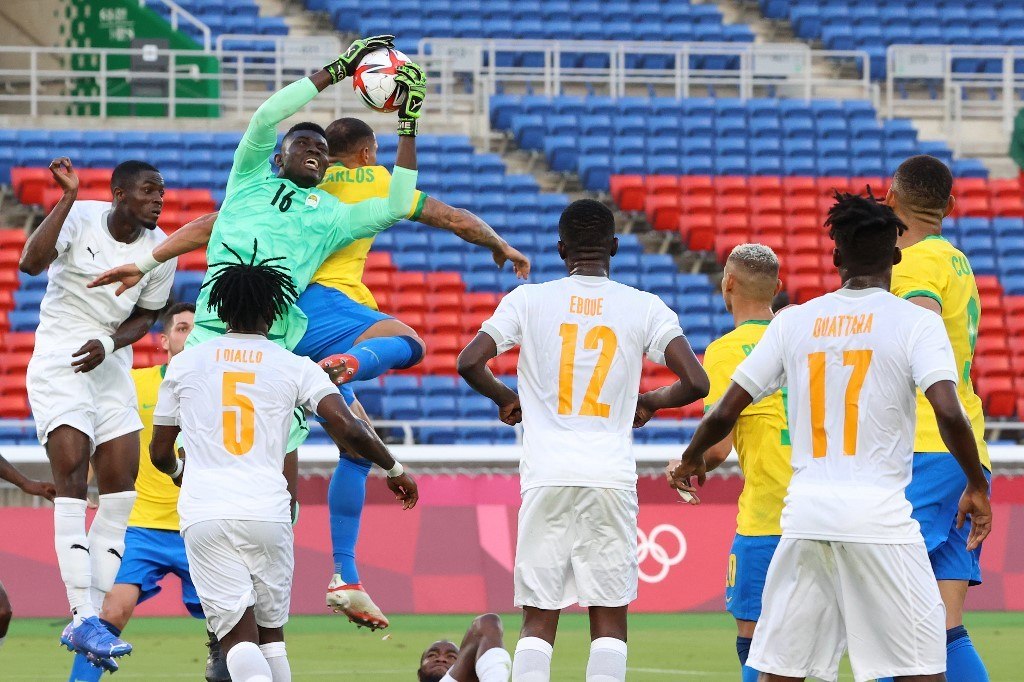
(532, 662)
(607, 643)
(246, 662)
(482, 655)
(6, 613)
(119, 604)
(400, 348)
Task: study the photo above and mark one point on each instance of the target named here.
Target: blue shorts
(335, 322)
(748, 566)
(934, 492)
(149, 555)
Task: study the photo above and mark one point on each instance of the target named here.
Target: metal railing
(178, 13)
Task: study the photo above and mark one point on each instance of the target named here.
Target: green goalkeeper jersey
(303, 226)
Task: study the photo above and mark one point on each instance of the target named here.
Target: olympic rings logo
(647, 546)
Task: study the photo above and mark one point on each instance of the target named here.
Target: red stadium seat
(443, 323)
(662, 211)
(798, 186)
(506, 363)
(988, 284)
(52, 195)
(6, 299)
(95, 179)
(445, 302)
(1002, 187)
(804, 224)
(734, 225)
(661, 184)
(804, 244)
(992, 365)
(725, 243)
(18, 342)
(698, 231)
(766, 204)
(973, 206)
(14, 407)
(409, 281)
(409, 301)
(9, 280)
(877, 185)
(998, 396)
(803, 264)
(193, 260)
(172, 219)
(970, 187)
(692, 185)
(30, 183)
(439, 363)
(12, 239)
(804, 287)
(14, 362)
(1008, 207)
(379, 260)
(698, 204)
(627, 191)
(731, 185)
(765, 185)
(733, 203)
(446, 282)
(827, 187)
(471, 321)
(480, 301)
(199, 201)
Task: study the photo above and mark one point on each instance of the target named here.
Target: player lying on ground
(851, 570)
(153, 546)
(936, 275)
(480, 658)
(761, 439)
(30, 487)
(238, 491)
(577, 525)
(292, 219)
(78, 380)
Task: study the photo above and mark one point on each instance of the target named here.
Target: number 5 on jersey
(598, 337)
(239, 416)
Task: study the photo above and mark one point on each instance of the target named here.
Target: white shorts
(576, 545)
(101, 403)
(821, 597)
(237, 564)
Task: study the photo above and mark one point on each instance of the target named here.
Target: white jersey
(583, 340)
(851, 361)
(71, 314)
(234, 398)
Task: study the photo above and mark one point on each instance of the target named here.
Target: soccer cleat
(107, 664)
(66, 637)
(216, 666)
(353, 601)
(92, 637)
(340, 368)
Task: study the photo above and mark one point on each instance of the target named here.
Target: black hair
(126, 172)
(304, 126)
(924, 182)
(586, 224)
(167, 316)
(248, 294)
(865, 232)
(346, 134)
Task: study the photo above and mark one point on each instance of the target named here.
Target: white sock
(246, 663)
(2, 640)
(73, 557)
(607, 660)
(533, 660)
(106, 542)
(277, 659)
(495, 665)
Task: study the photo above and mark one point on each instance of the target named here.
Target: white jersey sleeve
(314, 385)
(662, 328)
(931, 355)
(156, 290)
(167, 411)
(763, 372)
(507, 323)
(69, 230)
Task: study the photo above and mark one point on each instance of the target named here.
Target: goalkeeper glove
(345, 65)
(412, 77)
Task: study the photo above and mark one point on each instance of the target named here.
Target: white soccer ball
(374, 80)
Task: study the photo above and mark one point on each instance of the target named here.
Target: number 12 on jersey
(860, 360)
(599, 337)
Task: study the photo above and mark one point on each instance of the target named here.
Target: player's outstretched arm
(9, 473)
(41, 247)
(693, 383)
(472, 366)
(162, 454)
(193, 235)
(956, 432)
(95, 351)
(473, 229)
(357, 437)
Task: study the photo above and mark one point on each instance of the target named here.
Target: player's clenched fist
(511, 413)
(64, 174)
(93, 353)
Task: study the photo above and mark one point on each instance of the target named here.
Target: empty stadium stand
(232, 17)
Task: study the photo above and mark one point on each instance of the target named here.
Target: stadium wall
(454, 553)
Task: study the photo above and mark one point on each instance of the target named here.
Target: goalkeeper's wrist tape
(397, 470)
(335, 71)
(408, 126)
(107, 343)
(179, 466)
(147, 263)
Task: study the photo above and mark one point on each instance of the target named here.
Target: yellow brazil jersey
(938, 270)
(343, 270)
(157, 503)
(761, 436)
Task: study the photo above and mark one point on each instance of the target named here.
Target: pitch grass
(661, 648)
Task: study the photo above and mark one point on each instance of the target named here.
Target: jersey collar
(763, 323)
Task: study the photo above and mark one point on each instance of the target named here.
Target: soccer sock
(533, 660)
(963, 664)
(607, 660)
(72, 546)
(246, 663)
(494, 665)
(106, 541)
(378, 355)
(84, 671)
(743, 650)
(277, 659)
(345, 497)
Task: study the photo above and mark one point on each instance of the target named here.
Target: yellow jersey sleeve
(343, 270)
(156, 504)
(720, 361)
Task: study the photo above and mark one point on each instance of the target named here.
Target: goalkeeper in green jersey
(284, 212)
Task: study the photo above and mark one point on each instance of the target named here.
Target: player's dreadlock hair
(924, 184)
(586, 224)
(346, 134)
(865, 233)
(248, 294)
